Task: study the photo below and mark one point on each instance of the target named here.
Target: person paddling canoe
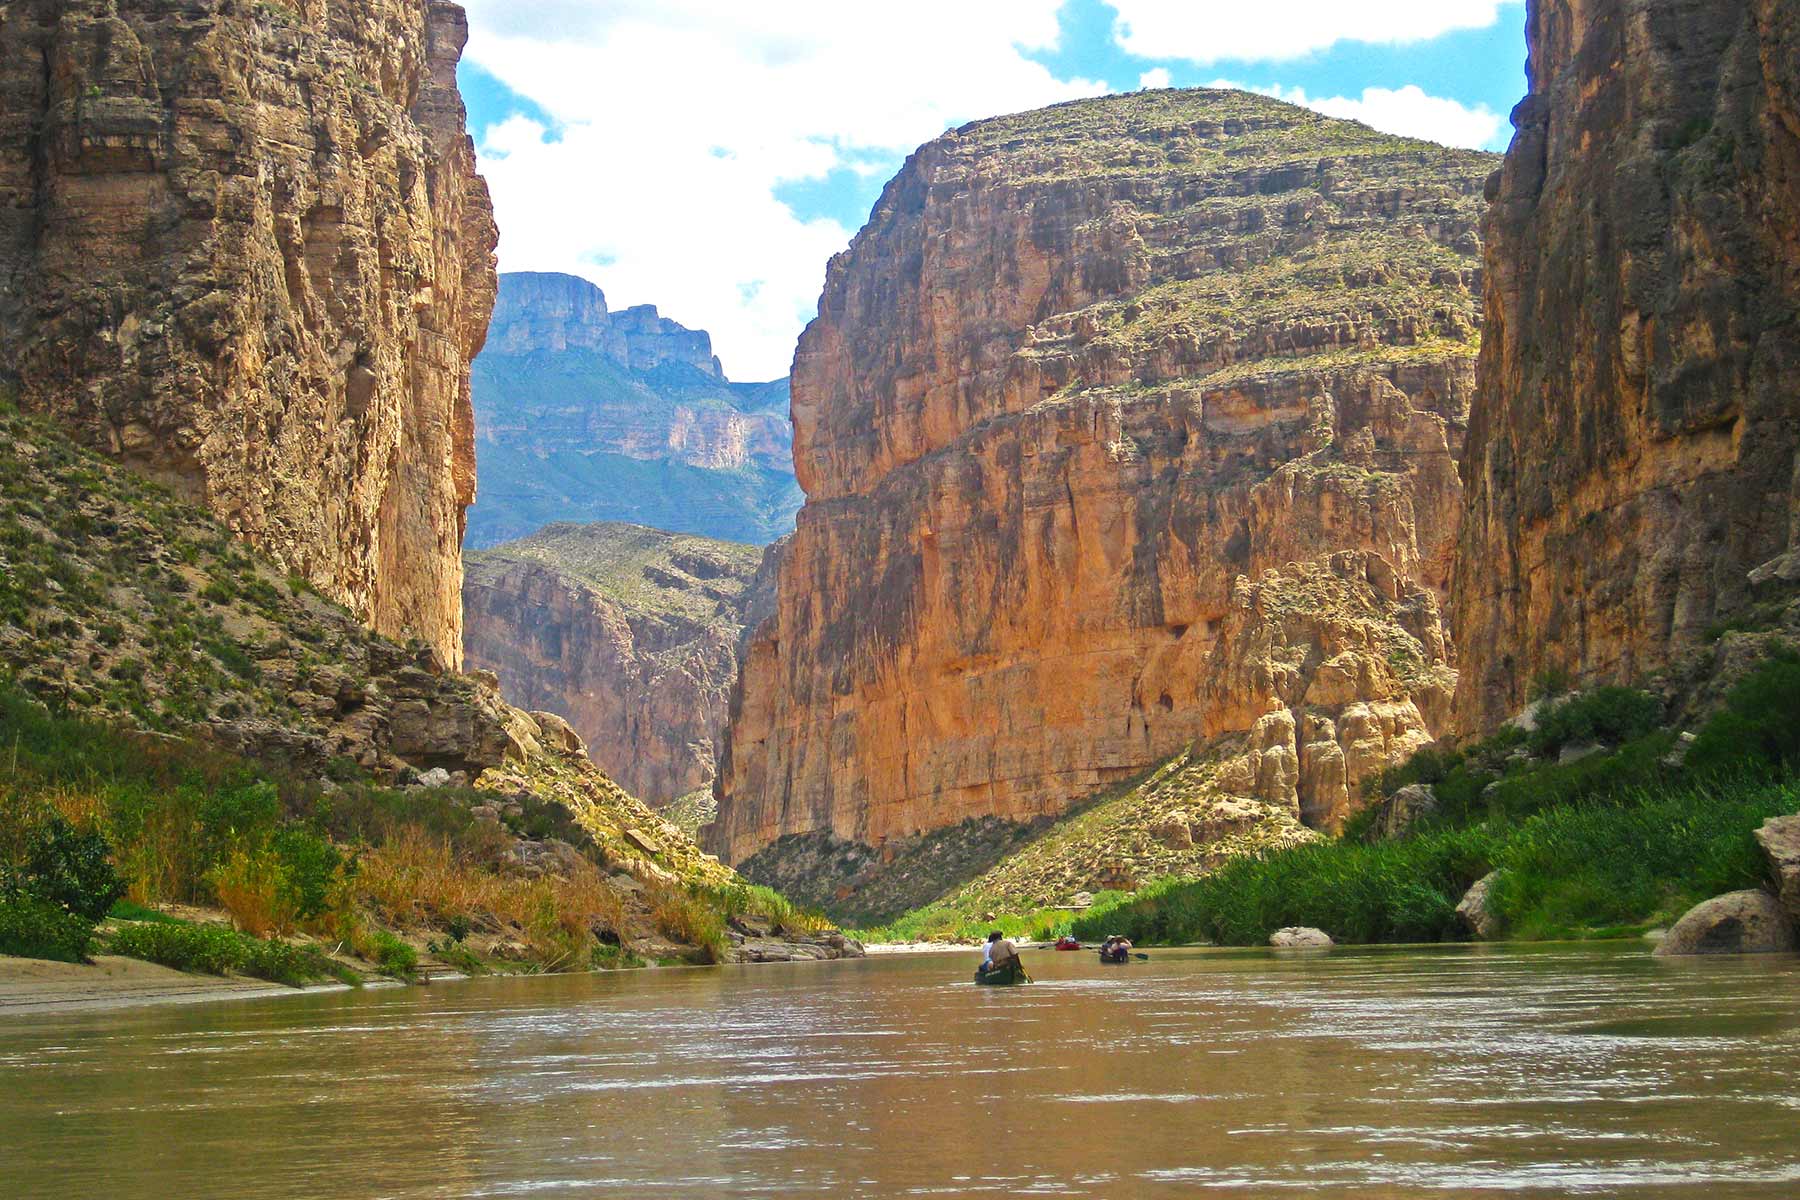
(1001, 955)
(1115, 949)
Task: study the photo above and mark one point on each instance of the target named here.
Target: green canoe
(1013, 972)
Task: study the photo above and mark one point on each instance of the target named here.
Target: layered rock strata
(244, 247)
(1125, 423)
(586, 414)
(1632, 466)
(630, 633)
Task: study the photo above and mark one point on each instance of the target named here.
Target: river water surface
(1554, 1071)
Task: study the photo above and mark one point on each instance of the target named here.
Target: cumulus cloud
(674, 124)
(1409, 111)
(1156, 77)
(1210, 31)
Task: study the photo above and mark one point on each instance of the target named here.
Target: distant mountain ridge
(584, 414)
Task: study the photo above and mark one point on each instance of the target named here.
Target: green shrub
(210, 949)
(295, 966)
(312, 868)
(614, 958)
(31, 927)
(1635, 767)
(216, 950)
(70, 869)
(391, 955)
(1608, 715)
(1759, 727)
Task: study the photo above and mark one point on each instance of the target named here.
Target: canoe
(1013, 972)
(1123, 958)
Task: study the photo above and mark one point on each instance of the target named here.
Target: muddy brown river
(1550, 1071)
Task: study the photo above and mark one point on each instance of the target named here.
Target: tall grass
(1612, 843)
(1595, 867)
(1390, 892)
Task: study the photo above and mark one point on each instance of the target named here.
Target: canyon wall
(1123, 424)
(631, 634)
(586, 414)
(1632, 460)
(244, 247)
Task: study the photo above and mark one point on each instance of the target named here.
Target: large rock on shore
(1630, 463)
(246, 249)
(1751, 922)
(1473, 908)
(1124, 424)
(1780, 840)
(1300, 937)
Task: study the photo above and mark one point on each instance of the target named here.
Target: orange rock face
(1632, 459)
(246, 248)
(1124, 424)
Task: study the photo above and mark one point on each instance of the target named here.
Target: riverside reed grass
(1610, 845)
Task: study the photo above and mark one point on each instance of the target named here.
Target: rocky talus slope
(585, 414)
(1124, 424)
(630, 633)
(1632, 463)
(244, 247)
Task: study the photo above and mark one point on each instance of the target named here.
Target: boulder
(643, 841)
(437, 777)
(1751, 922)
(1678, 753)
(558, 734)
(1405, 807)
(1780, 840)
(1300, 937)
(1173, 831)
(1576, 751)
(1473, 908)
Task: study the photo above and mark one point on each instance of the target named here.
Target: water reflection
(1549, 1072)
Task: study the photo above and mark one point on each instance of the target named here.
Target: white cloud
(678, 120)
(1209, 31)
(1407, 111)
(1156, 77)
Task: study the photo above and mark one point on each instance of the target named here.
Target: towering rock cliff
(585, 414)
(244, 247)
(1123, 424)
(1632, 463)
(632, 634)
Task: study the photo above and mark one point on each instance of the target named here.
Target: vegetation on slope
(1611, 843)
(649, 572)
(139, 644)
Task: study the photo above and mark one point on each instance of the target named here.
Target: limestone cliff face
(1633, 455)
(1123, 423)
(544, 311)
(632, 634)
(245, 247)
(587, 414)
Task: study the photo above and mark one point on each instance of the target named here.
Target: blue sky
(708, 156)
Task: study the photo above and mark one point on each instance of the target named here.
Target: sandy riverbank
(30, 986)
(884, 948)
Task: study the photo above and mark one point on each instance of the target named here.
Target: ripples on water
(1463, 1072)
